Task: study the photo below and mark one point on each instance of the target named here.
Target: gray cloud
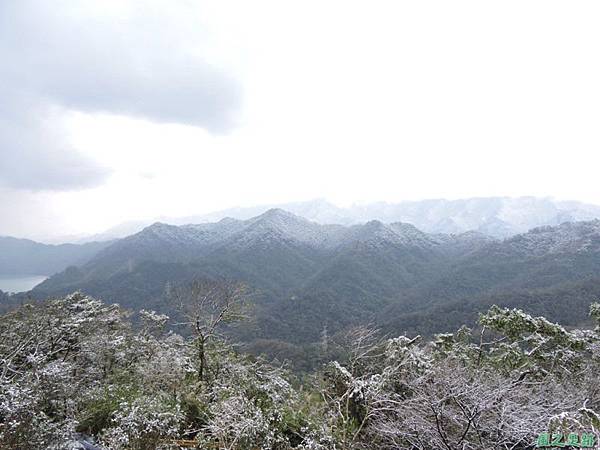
(58, 55)
(33, 157)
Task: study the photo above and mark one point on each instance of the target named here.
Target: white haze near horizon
(354, 102)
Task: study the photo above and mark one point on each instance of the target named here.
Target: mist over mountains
(308, 277)
(495, 216)
(330, 268)
(27, 257)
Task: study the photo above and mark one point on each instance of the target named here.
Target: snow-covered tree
(74, 367)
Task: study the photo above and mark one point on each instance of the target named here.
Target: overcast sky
(119, 110)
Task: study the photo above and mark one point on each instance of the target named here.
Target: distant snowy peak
(576, 237)
(156, 232)
(282, 230)
(499, 217)
(277, 225)
(273, 227)
(409, 235)
(213, 233)
(374, 232)
(164, 233)
(377, 234)
(280, 219)
(162, 230)
(280, 225)
(158, 239)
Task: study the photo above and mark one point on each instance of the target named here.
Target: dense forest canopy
(309, 277)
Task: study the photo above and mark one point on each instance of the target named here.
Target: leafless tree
(207, 306)
(452, 408)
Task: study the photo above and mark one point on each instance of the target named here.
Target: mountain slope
(285, 257)
(309, 276)
(547, 263)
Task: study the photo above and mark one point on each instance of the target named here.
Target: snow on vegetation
(78, 373)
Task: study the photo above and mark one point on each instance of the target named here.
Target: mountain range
(308, 277)
(495, 216)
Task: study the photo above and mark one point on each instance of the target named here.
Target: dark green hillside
(308, 277)
(565, 302)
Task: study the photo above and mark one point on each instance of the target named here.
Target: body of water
(20, 284)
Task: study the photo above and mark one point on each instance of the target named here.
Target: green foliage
(75, 365)
(97, 412)
(300, 289)
(537, 344)
(498, 388)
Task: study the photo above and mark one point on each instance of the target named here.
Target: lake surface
(20, 284)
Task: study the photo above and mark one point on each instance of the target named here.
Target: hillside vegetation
(307, 278)
(75, 372)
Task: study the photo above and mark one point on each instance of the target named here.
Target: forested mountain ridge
(309, 276)
(275, 228)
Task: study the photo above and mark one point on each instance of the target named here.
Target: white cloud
(140, 59)
(357, 101)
